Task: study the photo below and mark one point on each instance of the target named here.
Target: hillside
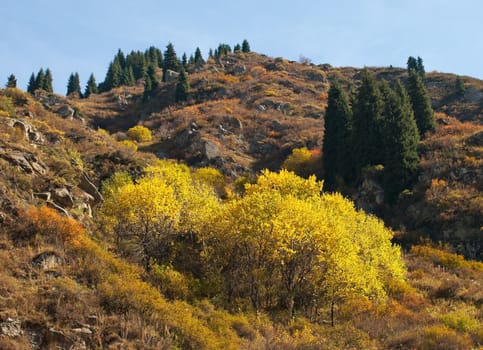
(73, 278)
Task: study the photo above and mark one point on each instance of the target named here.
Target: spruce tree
(237, 48)
(412, 64)
(113, 76)
(73, 85)
(150, 81)
(127, 77)
(170, 61)
(11, 81)
(182, 87)
(199, 61)
(421, 103)
(401, 139)
(184, 61)
(337, 146)
(48, 81)
(137, 61)
(368, 123)
(40, 79)
(245, 46)
(31, 87)
(459, 87)
(91, 86)
(420, 67)
(121, 58)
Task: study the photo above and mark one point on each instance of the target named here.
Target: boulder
(48, 260)
(31, 134)
(211, 150)
(87, 186)
(63, 197)
(232, 123)
(66, 112)
(11, 328)
(171, 76)
(28, 162)
(239, 69)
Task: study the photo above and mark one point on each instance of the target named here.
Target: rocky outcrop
(48, 261)
(171, 76)
(27, 162)
(91, 189)
(30, 133)
(66, 112)
(11, 328)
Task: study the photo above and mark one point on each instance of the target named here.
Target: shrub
(441, 337)
(139, 133)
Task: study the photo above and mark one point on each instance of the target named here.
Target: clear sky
(83, 36)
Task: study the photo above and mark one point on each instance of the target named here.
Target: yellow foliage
(139, 133)
(302, 161)
(130, 144)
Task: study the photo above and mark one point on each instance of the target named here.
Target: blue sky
(83, 36)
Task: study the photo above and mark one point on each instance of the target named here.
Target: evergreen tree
(245, 46)
(137, 61)
(223, 50)
(121, 58)
(182, 87)
(40, 79)
(11, 81)
(210, 54)
(170, 61)
(401, 139)
(151, 55)
(91, 86)
(184, 61)
(337, 147)
(127, 77)
(199, 61)
(73, 85)
(420, 67)
(412, 64)
(191, 60)
(421, 103)
(237, 48)
(459, 87)
(368, 123)
(48, 81)
(150, 81)
(113, 76)
(31, 87)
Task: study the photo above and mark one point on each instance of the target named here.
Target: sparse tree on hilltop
(48, 81)
(73, 85)
(423, 112)
(184, 61)
(237, 48)
(459, 87)
(245, 46)
(199, 61)
(91, 86)
(31, 87)
(40, 79)
(11, 81)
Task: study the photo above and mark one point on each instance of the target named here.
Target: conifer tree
(11, 81)
(31, 87)
(368, 123)
(182, 87)
(401, 139)
(184, 61)
(420, 67)
(421, 103)
(210, 54)
(150, 81)
(170, 61)
(337, 147)
(127, 77)
(137, 61)
(237, 48)
(245, 46)
(73, 85)
(121, 58)
(40, 79)
(412, 64)
(459, 87)
(91, 86)
(198, 60)
(113, 76)
(48, 81)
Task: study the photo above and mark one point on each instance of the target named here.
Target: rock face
(31, 134)
(28, 162)
(66, 112)
(171, 76)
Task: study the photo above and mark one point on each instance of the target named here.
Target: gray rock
(66, 112)
(48, 260)
(239, 69)
(28, 162)
(11, 328)
(232, 123)
(31, 134)
(171, 76)
(87, 186)
(63, 197)
(211, 150)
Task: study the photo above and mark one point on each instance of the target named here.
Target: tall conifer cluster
(43, 80)
(381, 129)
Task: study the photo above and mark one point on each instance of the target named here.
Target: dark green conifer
(199, 61)
(459, 87)
(91, 86)
(184, 61)
(48, 81)
(412, 64)
(401, 139)
(421, 103)
(31, 87)
(150, 82)
(210, 54)
(11, 81)
(73, 85)
(337, 146)
(182, 87)
(170, 61)
(420, 67)
(113, 76)
(121, 58)
(245, 46)
(237, 48)
(40, 79)
(127, 77)
(368, 123)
